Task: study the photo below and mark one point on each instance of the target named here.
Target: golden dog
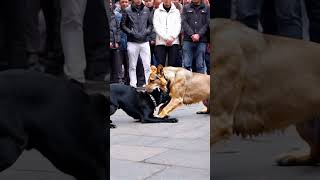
(185, 87)
(262, 83)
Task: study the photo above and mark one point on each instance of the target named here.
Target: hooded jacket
(167, 24)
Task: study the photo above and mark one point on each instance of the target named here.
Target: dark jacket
(137, 23)
(195, 20)
(114, 29)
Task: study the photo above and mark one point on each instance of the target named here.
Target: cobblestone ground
(165, 151)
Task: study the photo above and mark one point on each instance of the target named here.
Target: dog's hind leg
(9, 152)
(206, 110)
(310, 132)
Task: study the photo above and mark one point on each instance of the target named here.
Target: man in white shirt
(167, 25)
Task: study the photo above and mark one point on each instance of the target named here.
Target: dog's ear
(153, 69)
(160, 69)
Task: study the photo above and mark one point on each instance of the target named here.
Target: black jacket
(137, 23)
(195, 20)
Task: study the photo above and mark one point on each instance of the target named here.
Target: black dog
(57, 118)
(138, 105)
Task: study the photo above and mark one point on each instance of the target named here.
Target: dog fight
(159, 89)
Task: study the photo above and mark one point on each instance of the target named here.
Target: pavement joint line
(176, 149)
(144, 161)
(158, 172)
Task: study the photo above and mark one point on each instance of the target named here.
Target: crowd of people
(64, 38)
(277, 17)
(153, 32)
(71, 38)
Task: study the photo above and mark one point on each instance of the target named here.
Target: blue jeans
(194, 51)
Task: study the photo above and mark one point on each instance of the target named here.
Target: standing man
(195, 24)
(137, 24)
(167, 25)
(123, 4)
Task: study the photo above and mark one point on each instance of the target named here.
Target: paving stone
(128, 170)
(180, 173)
(183, 144)
(196, 159)
(134, 153)
(134, 140)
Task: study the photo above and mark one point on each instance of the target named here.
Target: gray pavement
(253, 159)
(165, 151)
(33, 166)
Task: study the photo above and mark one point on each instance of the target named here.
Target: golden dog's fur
(262, 83)
(185, 87)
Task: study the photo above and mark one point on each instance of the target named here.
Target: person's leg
(160, 51)
(289, 18)
(16, 15)
(313, 11)
(268, 18)
(72, 14)
(96, 39)
(140, 73)
(133, 53)
(221, 9)
(173, 53)
(3, 39)
(146, 59)
(125, 61)
(32, 28)
(200, 57)
(116, 65)
(187, 54)
(248, 12)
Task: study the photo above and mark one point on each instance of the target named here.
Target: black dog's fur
(57, 118)
(138, 105)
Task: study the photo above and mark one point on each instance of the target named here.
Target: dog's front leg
(173, 104)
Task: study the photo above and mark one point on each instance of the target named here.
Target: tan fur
(185, 86)
(262, 83)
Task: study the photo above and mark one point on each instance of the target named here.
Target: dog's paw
(173, 120)
(112, 126)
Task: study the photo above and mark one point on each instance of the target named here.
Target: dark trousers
(313, 12)
(12, 33)
(220, 9)
(116, 63)
(140, 73)
(96, 38)
(288, 15)
(154, 60)
(172, 52)
(119, 58)
(48, 44)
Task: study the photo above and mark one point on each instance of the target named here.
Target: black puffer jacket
(137, 23)
(195, 20)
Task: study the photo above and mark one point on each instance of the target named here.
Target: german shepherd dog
(138, 105)
(183, 86)
(57, 118)
(263, 83)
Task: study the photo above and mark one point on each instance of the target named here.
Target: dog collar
(153, 100)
